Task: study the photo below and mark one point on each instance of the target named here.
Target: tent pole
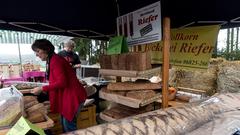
(118, 11)
(19, 53)
(165, 69)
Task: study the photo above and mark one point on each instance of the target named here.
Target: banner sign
(190, 47)
(141, 26)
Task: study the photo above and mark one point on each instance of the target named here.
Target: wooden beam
(191, 90)
(165, 71)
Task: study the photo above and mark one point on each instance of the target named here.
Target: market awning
(15, 37)
(97, 19)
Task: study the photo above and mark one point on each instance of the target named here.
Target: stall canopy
(96, 19)
(15, 37)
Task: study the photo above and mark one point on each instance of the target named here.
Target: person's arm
(57, 69)
(77, 66)
(77, 62)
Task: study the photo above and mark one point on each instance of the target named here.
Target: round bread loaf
(30, 104)
(39, 107)
(28, 99)
(36, 117)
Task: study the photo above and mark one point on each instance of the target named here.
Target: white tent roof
(14, 37)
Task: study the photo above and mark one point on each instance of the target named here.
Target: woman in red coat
(66, 94)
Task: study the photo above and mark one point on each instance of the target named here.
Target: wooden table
(33, 74)
(7, 80)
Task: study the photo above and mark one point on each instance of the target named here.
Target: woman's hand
(36, 91)
(77, 66)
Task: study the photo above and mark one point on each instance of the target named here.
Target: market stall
(176, 116)
(189, 119)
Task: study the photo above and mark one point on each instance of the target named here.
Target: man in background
(69, 55)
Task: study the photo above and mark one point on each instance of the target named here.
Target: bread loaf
(122, 93)
(141, 94)
(39, 107)
(133, 86)
(36, 117)
(28, 99)
(185, 98)
(30, 104)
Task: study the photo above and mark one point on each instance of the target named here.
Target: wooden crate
(57, 128)
(122, 61)
(121, 111)
(114, 61)
(105, 61)
(86, 118)
(138, 61)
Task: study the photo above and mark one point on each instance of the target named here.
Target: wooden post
(118, 79)
(135, 48)
(165, 69)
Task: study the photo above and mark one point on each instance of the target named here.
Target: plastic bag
(11, 106)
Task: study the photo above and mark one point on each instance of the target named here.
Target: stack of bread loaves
(35, 111)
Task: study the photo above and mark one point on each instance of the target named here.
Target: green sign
(117, 45)
(25, 127)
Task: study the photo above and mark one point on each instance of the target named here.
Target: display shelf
(106, 117)
(128, 73)
(127, 101)
(191, 90)
(119, 111)
(174, 103)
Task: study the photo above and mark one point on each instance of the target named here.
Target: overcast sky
(222, 36)
(12, 49)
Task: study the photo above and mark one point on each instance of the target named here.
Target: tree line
(230, 51)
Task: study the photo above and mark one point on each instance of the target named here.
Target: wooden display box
(114, 61)
(86, 118)
(105, 61)
(127, 101)
(121, 111)
(122, 61)
(127, 73)
(137, 61)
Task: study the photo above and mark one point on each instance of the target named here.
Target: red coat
(65, 91)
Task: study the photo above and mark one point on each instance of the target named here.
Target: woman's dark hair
(43, 44)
